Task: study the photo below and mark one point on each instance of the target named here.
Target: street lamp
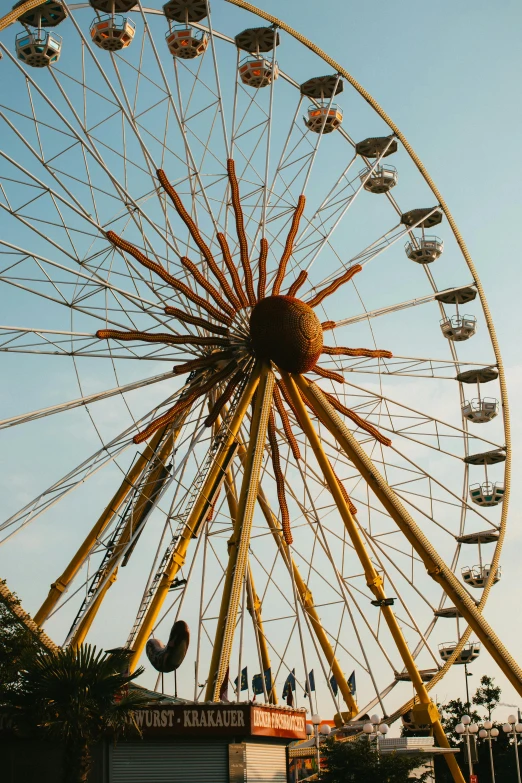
(467, 728)
(514, 728)
(316, 721)
(375, 729)
(489, 733)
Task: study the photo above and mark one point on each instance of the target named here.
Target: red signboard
(473, 779)
(234, 720)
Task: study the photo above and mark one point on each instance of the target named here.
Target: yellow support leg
(155, 480)
(197, 516)
(426, 709)
(434, 563)
(238, 556)
(126, 487)
(253, 602)
(307, 602)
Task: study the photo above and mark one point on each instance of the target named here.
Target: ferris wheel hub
(286, 331)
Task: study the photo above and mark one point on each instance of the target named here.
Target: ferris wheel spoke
(82, 401)
(75, 478)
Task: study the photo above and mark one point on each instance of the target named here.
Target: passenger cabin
(458, 328)
(480, 410)
(381, 180)
(425, 249)
(487, 494)
(185, 42)
(39, 48)
(112, 32)
(477, 575)
(470, 652)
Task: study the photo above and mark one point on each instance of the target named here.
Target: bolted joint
(374, 582)
(58, 586)
(424, 714)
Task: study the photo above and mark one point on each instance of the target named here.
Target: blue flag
(257, 682)
(335, 687)
(289, 685)
(311, 680)
(351, 683)
(244, 680)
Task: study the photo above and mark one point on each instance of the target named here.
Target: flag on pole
(289, 688)
(257, 683)
(351, 683)
(223, 691)
(311, 680)
(335, 687)
(244, 680)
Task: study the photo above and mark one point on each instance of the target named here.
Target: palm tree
(76, 696)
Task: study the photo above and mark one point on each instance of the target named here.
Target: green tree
(17, 644)
(75, 697)
(359, 761)
(487, 694)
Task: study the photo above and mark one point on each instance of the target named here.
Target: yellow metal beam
(307, 602)
(434, 563)
(10, 600)
(127, 485)
(427, 709)
(253, 601)
(16, 13)
(157, 476)
(238, 552)
(197, 516)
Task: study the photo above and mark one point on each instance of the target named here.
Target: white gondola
(257, 72)
(324, 118)
(424, 250)
(480, 410)
(477, 575)
(487, 494)
(112, 32)
(459, 327)
(39, 48)
(380, 180)
(185, 42)
(470, 652)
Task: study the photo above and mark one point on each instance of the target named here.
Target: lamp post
(375, 729)
(467, 728)
(316, 721)
(489, 733)
(514, 728)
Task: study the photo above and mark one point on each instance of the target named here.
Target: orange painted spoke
(334, 376)
(224, 398)
(294, 446)
(280, 480)
(229, 261)
(196, 235)
(327, 325)
(188, 318)
(289, 246)
(182, 404)
(261, 280)
(204, 361)
(160, 337)
(241, 234)
(162, 272)
(318, 298)
(362, 423)
(209, 288)
(345, 494)
(284, 391)
(378, 354)
(298, 282)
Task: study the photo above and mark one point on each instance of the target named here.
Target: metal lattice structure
(177, 194)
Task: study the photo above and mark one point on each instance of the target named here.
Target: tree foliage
(487, 694)
(17, 645)
(358, 761)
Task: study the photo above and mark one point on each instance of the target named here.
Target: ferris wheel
(290, 429)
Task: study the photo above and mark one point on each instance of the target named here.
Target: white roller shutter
(265, 763)
(169, 762)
